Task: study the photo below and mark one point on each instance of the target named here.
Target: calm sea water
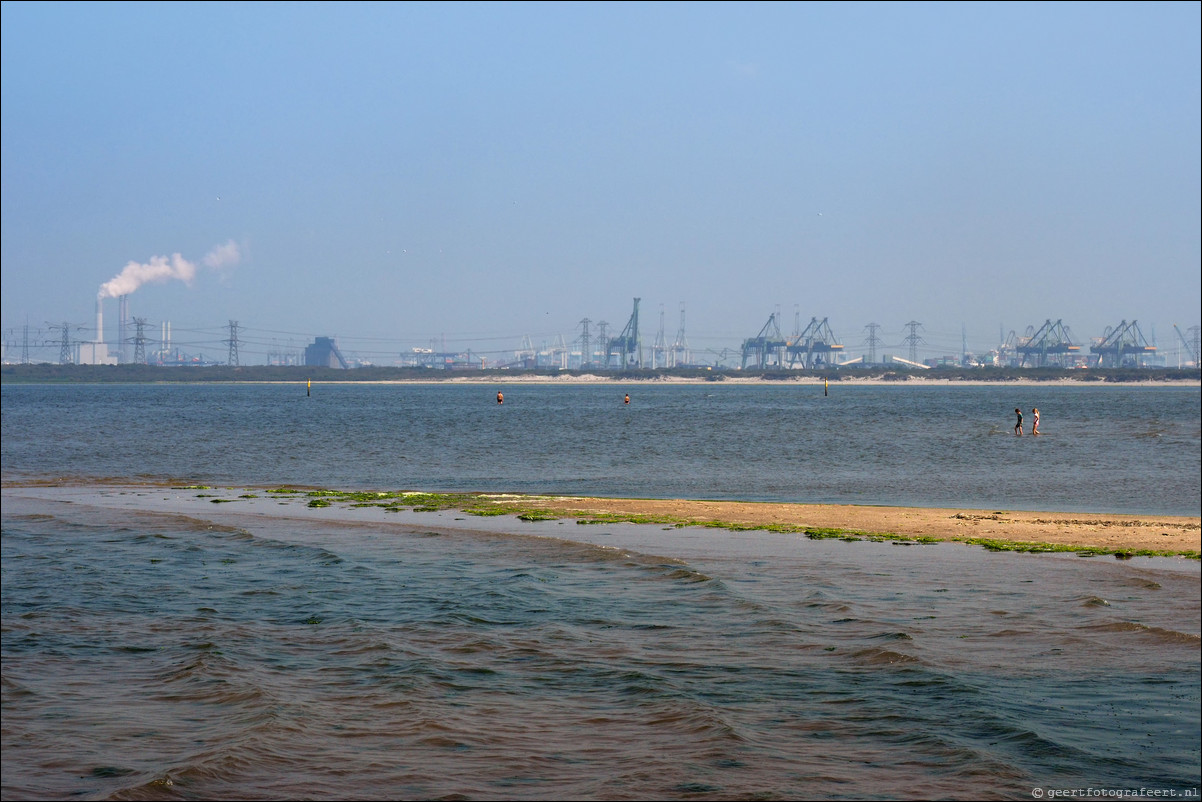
(1131, 450)
(269, 652)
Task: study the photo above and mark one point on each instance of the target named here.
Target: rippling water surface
(238, 656)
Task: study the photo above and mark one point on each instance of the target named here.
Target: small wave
(684, 717)
(883, 657)
(688, 575)
(157, 788)
(1140, 582)
(214, 770)
(891, 636)
(1164, 635)
(834, 607)
(364, 648)
(111, 771)
(14, 689)
(1009, 633)
(443, 742)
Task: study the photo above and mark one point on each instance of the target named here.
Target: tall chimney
(99, 320)
(122, 322)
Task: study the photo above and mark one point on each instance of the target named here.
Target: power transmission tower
(1191, 344)
(913, 340)
(233, 343)
(25, 346)
(873, 341)
(64, 351)
(140, 341)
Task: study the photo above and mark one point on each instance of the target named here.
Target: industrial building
(324, 353)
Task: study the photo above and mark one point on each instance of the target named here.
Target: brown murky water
(148, 656)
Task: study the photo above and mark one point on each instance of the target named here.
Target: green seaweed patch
(248, 495)
(421, 502)
(537, 515)
(359, 497)
(221, 500)
(486, 512)
(433, 502)
(624, 518)
(856, 535)
(192, 487)
(319, 502)
(826, 533)
(1028, 547)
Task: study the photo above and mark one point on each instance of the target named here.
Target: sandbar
(1104, 531)
(1118, 533)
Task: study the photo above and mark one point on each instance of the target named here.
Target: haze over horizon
(403, 174)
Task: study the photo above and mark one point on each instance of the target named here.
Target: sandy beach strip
(1009, 529)
(1179, 534)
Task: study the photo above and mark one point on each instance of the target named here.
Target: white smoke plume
(164, 268)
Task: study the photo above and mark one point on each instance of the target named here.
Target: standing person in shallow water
(1035, 421)
(1018, 425)
(500, 398)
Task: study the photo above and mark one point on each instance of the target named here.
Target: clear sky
(400, 175)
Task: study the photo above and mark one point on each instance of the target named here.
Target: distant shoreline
(912, 381)
(46, 373)
(585, 382)
(144, 374)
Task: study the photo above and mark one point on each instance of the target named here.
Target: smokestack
(99, 320)
(122, 322)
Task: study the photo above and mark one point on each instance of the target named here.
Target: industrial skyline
(640, 340)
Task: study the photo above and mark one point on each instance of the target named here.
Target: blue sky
(397, 175)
